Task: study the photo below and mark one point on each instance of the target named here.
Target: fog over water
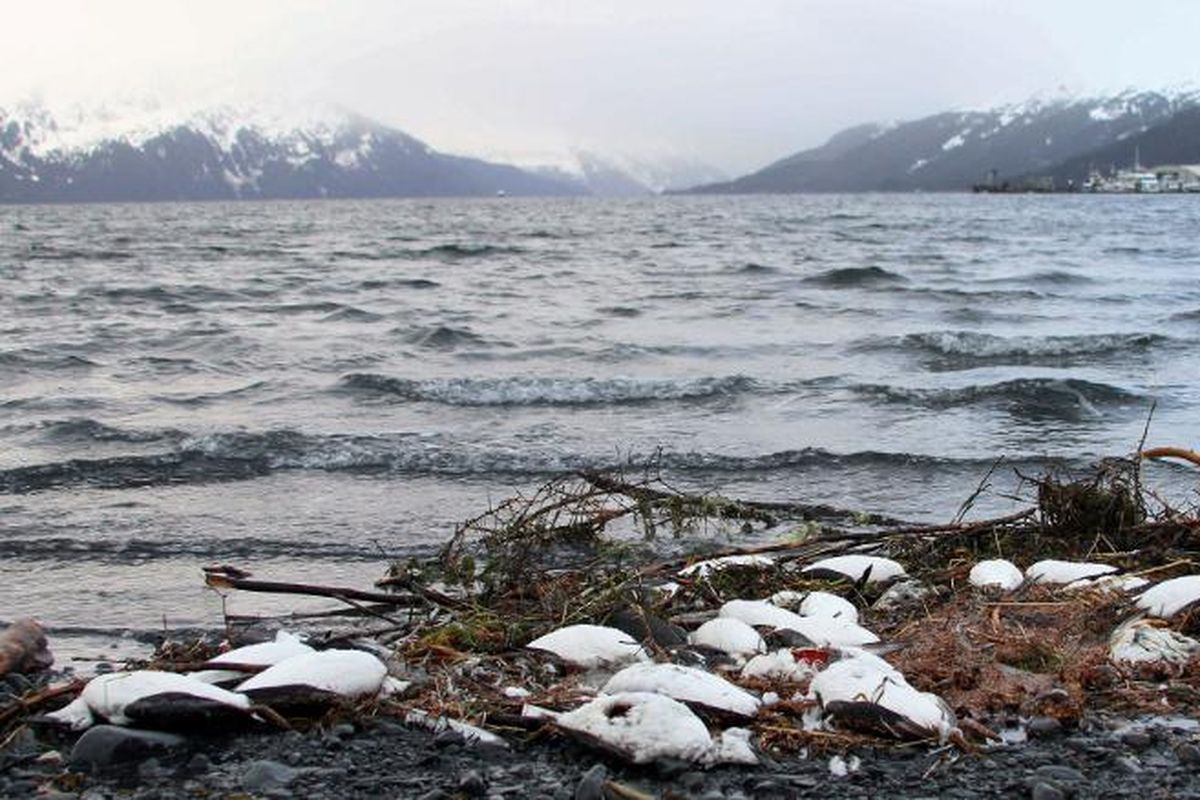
(737, 85)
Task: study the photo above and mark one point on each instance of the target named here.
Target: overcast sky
(737, 83)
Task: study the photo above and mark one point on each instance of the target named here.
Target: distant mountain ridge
(228, 153)
(1060, 138)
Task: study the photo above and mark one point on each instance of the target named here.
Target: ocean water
(309, 390)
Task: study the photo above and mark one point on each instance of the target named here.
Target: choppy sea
(312, 389)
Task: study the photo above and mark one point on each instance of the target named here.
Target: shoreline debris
(578, 609)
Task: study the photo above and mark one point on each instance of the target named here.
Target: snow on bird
(685, 684)
(996, 573)
(590, 646)
(1171, 596)
(1053, 571)
(856, 566)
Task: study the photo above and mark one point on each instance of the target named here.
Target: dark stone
(105, 746)
(261, 776)
(591, 785)
(1043, 727)
(472, 784)
(692, 781)
(448, 738)
(1188, 754)
(1137, 739)
(199, 764)
(1061, 773)
(1047, 791)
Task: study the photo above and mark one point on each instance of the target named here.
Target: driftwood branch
(222, 580)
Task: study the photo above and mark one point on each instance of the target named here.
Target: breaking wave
(243, 455)
(532, 391)
(1032, 398)
(952, 350)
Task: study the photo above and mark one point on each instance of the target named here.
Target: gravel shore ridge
(383, 758)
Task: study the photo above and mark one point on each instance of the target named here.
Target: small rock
(448, 738)
(691, 782)
(472, 784)
(1129, 764)
(1043, 727)
(343, 730)
(591, 785)
(1188, 754)
(199, 764)
(1060, 773)
(104, 746)
(264, 775)
(1137, 739)
(1047, 791)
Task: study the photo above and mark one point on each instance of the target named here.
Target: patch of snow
(918, 164)
(685, 684)
(729, 635)
(348, 673)
(841, 767)
(590, 646)
(1139, 642)
(733, 746)
(957, 140)
(1171, 596)
(854, 567)
(1054, 572)
(645, 727)
(702, 569)
(996, 573)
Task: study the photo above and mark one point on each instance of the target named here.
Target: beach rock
(264, 775)
(1047, 791)
(472, 784)
(105, 746)
(591, 785)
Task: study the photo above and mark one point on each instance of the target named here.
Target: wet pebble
(591, 785)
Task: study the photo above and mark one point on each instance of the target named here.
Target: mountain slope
(952, 150)
(228, 154)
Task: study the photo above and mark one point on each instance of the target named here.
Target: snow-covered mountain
(627, 176)
(149, 152)
(955, 149)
